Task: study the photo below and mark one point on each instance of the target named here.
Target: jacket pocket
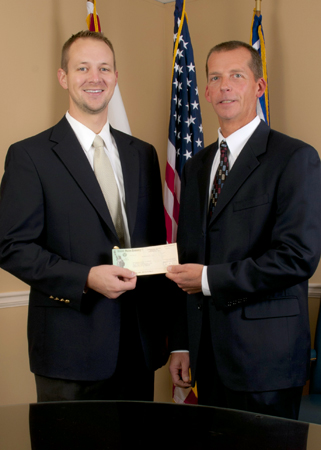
(251, 202)
(282, 307)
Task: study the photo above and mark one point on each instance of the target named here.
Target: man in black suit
(249, 239)
(94, 330)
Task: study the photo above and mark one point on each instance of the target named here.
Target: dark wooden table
(138, 425)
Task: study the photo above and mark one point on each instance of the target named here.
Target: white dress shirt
(235, 142)
(86, 137)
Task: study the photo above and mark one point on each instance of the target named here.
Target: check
(146, 260)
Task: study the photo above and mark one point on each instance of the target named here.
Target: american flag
(185, 125)
(185, 137)
(258, 42)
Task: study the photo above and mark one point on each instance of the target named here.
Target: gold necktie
(106, 179)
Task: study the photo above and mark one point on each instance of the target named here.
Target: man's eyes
(102, 69)
(235, 75)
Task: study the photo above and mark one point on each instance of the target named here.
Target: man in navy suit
(249, 239)
(95, 331)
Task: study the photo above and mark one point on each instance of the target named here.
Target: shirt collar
(86, 136)
(239, 138)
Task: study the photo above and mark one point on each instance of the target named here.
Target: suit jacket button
(57, 298)
(62, 300)
(199, 307)
(52, 297)
(67, 301)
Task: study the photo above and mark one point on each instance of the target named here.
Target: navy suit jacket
(55, 226)
(261, 246)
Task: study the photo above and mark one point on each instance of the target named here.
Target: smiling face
(90, 79)
(232, 89)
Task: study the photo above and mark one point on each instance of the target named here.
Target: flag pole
(258, 7)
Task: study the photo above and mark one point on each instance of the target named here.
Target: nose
(94, 75)
(225, 84)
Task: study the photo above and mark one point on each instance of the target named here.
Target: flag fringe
(263, 56)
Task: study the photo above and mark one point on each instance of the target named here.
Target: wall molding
(315, 290)
(14, 299)
(21, 298)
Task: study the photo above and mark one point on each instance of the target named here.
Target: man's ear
(62, 78)
(207, 96)
(261, 87)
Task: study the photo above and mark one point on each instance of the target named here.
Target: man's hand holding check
(187, 276)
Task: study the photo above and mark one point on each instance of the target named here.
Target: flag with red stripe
(116, 110)
(185, 135)
(185, 125)
(92, 16)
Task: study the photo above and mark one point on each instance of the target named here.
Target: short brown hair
(255, 63)
(83, 35)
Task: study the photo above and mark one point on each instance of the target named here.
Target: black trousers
(132, 380)
(212, 392)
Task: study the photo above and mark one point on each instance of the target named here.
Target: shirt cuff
(205, 286)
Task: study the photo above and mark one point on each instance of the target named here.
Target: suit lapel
(69, 151)
(245, 164)
(203, 176)
(129, 159)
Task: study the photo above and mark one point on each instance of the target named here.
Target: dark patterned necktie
(220, 176)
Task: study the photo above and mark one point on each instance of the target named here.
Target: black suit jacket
(261, 246)
(55, 226)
